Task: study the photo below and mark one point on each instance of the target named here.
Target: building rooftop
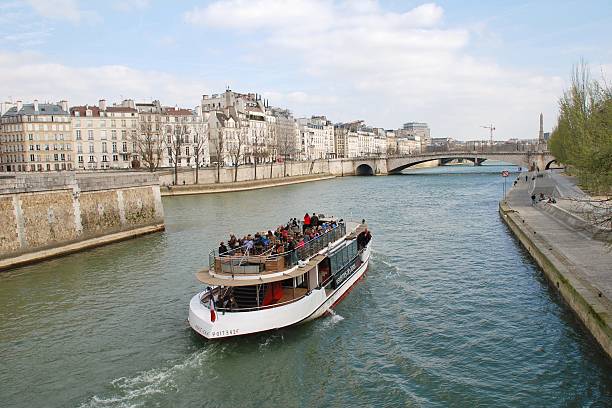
(81, 110)
(43, 109)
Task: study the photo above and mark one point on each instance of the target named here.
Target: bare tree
(596, 211)
(285, 146)
(270, 151)
(177, 135)
(199, 142)
(149, 145)
(236, 149)
(256, 149)
(219, 150)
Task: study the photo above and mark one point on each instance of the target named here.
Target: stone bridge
(390, 165)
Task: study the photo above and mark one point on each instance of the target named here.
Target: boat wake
(270, 339)
(392, 270)
(137, 391)
(335, 317)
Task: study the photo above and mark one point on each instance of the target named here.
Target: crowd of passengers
(285, 238)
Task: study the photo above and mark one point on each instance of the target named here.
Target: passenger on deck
(222, 249)
(233, 242)
(314, 220)
(248, 245)
(306, 222)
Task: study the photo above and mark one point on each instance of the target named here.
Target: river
(453, 312)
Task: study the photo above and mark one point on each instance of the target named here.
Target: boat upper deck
(280, 257)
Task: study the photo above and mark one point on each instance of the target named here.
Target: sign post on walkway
(505, 173)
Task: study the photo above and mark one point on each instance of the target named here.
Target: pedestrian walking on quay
(533, 199)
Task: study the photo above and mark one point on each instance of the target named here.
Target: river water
(453, 312)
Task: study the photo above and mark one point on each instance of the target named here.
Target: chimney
(35, 105)
(64, 105)
(227, 98)
(102, 104)
(204, 96)
(19, 105)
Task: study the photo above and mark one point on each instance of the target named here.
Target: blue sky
(454, 64)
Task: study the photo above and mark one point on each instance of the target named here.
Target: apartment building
(186, 137)
(36, 137)
(104, 135)
(419, 131)
(317, 138)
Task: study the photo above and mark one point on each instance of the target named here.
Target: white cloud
(29, 76)
(57, 9)
(384, 66)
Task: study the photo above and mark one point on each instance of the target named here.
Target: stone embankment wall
(42, 213)
(577, 266)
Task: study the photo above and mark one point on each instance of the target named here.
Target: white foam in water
(133, 392)
(335, 317)
(394, 269)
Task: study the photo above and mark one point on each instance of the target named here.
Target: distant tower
(541, 135)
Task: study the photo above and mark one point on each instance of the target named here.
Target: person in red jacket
(306, 222)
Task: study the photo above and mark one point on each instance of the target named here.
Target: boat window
(300, 282)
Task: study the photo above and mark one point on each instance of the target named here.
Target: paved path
(590, 259)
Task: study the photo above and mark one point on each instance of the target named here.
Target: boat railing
(241, 261)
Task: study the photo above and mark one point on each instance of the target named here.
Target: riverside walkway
(579, 265)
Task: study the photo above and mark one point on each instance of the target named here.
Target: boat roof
(209, 278)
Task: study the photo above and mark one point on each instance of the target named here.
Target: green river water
(453, 312)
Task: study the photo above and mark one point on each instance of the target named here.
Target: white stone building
(103, 135)
(316, 137)
(407, 146)
(36, 137)
(240, 128)
(418, 130)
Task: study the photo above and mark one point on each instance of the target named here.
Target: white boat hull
(310, 307)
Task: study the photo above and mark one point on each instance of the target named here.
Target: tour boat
(249, 293)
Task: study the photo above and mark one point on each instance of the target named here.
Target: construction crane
(491, 129)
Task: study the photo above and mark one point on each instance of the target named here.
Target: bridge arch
(522, 159)
(550, 163)
(364, 170)
(476, 160)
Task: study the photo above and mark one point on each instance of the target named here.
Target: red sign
(505, 173)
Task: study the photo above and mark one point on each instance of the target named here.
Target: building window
(32, 157)
(91, 159)
(90, 134)
(103, 134)
(63, 157)
(30, 136)
(114, 147)
(114, 134)
(91, 148)
(78, 135)
(187, 150)
(115, 157)
(123, 134)
(80, 159)
(104, 149)
(104, 158)
(55, 157)
(124, 147)
(79, 148)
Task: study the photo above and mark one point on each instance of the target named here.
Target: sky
(457, 65)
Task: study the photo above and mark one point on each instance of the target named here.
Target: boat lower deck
(290, 294)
